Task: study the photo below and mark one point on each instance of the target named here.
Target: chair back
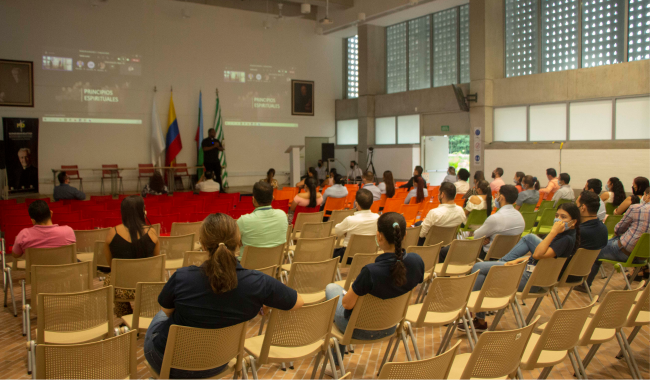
(258, 257)
(609, 208)
(359, 244)
(498, 353)
(107, 173)
(165, 221)
(562, 201)
(269, 271)
(80, 225)
(284, 195)
(642, 248)
(501, 245)
(529, 220)
(145, 170)
(312, 250)
(74, 312)
(146, 302)
(429, 255)
(126, 273)
(359, 261)
(544, 205)
(376, 205)
(611, 222)
(642, 305)
(299, 328)
(501, 282)
(156, 227)
(222, 345)
(436, 367)
(338, 216)
(440, 234)
(579, 265)
(195, 258)
(112, 358)
(309, 278)
(410, 211)
(447, 295)
(412, 236)
(99, 258)
(375, 314)
(462, 253)
(307, 217)
(66, 254)
(393, 204)
(72, 171)
(546, 220)
(545, 275)
(175, 246)
(86, 238)
(65, 278)
(611, 314)
(352, 196)
(527, 207)
(179, 229)
(475, 218)
(332, 204)
(316, 230)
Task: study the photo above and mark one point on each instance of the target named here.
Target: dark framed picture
(302, 97)
(16, 83)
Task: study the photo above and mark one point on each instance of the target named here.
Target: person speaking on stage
(211, 148)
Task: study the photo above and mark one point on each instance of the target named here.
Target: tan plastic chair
(501, 245)
(358, 244)
(269, 271)
(156, 227)
(126, 273)
(99, 258)
(556, 342)
(579, 266)
(445, 305)
(256, 257)
(294, 335)
(545, 276)
(180, 229)
(223, 346)
(440, 234)
(497, 354)
(288, 243)
(113, 358)
(374, 314)
(85, 240)
(305, 217)
(173, 248)
(316, 230)
(311, 250)
(436, 367)
(360, 260)
(429, 255)
(310, 279)
(638, 317)
(338, 216)
(412, 236)
(195, 258)
(461, 257)
(146, 306)
(498, 291)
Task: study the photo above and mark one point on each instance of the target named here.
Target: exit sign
(444, 128)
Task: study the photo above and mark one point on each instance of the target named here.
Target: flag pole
(218, 126)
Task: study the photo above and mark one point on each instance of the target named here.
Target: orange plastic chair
(393, 204)
(398, 184)
(410, 213)
(382, 200)
(285, 195)
(549, 197)
(375, 206)
(332, 204)
(349, 200)
(352, 187)
(325, 188)
(460, 202)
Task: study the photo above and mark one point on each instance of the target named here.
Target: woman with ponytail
(419, 191)
(481, 201)
(270, 178)
(310, 198)
(217, 294)
(530, 195)
(393, 274)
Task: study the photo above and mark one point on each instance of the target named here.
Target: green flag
(218, 127)
(199, 139)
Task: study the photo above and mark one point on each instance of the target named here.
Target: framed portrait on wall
(16, 83)
(302, 97)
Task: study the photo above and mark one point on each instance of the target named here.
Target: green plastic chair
(641, 251)
(527, 207)
(475, 218)
(610, 223)
(529, 219)
(609, 208)
(561, 201)
(545, 222)
(543, 206)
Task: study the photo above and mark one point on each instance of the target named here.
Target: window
(445, 46)
(521, 37)
(347, 132)
(406, 129)
(638, 37)
(590, 120)
(385, 131)
(560, 35)
(419, 53)
(396, 58)
(602, 30)
(352, 54)
(633, 118)
(464, 44)
(510, 124)
(548, 122)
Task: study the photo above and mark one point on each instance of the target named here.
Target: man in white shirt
(368, 180)
(363, 222)
(451, 175)
(596, 186)
(321, 169)
(207, 184)
(565, 191)
(462, 186)
(354, 172)
(448, 214)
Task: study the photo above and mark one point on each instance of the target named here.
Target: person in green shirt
(265, 227)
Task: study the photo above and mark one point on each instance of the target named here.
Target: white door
(436, 158)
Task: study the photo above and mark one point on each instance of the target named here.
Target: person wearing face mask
(614, 192)
(363, 222)
(565, 191)
(562, 241)
(417, 172)
(519, 177)
(530, 195)
(448, 214)
(497, 182)
(321, 170)
(354, 172)
(638, 188)
(595, 186)
(478, 177)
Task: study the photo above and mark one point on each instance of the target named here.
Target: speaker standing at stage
(211, 148)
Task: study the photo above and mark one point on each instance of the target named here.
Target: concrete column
(372, 60)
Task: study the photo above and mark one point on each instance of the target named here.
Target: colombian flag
(173, 140)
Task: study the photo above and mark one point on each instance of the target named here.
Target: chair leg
(406, 346)
(580, 365)
(101, 188)
(383, 360)
(24, 299)
(556, 299)
(515, 313)
(81, 185)
(316, 364)
(10, 289)
(446, 337)
(415, 345)
(471, 325)
(253, 367)
(545, 372)
(627, 353)
(627, 282)
(262, 325)
(567, 296)
(588, 288)
(590, 355)
(496, 320)
(332, 365)
(30, 364)
(602, 272)
(574, 363)
(417, 299)
(121, 186)
(600, 295)
(629, 340)
(533, 308)
(32, 355)
(325, 362)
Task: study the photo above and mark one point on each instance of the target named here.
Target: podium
(294, 163)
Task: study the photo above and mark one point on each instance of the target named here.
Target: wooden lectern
(294, 163)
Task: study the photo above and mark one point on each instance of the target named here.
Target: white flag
(157, 142)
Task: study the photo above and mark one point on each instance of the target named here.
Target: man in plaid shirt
(635, 222)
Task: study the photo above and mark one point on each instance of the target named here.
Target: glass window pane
(548, 122)
(638, 38)
(510, 124)
(464, 44)
(353, 67)
(396, 58)
(419, 53)
(385, 130)
(347, 132)
(602, 32)
(408, 129)
(521, 37)
(445, 43)
(633, 118)
(590, 120)
(559, 35)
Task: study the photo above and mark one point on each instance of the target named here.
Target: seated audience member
(614, 192)
(448, 214)
(321, 169)
(311, 173)
(337, 190)
(393, 274)
(462, 186)
(217, 294)
(419, 191)
(156, 185)
(553, 183)
(355, 172)
(635, 222)
(265, 227)
(65, 191)
(565, 191)
(562, 241)
(331, 179)
(44, 234)
(596, 186)
(207, 184)
(530, 195)
(270, 178)
(417, 172)
(133, 239)
(368, 181)
(388, 186)
(482, 200)
(638, 188)
(310, 198)
(497, 181)
(363, 222)
(451, 175)
(519, 176)
(478, 177)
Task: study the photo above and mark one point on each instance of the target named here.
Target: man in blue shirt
(369, 184)
(65, 191)
(335, 191)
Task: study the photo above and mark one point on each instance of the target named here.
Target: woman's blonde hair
(219, 236)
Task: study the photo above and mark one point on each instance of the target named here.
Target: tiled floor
(364, 362)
